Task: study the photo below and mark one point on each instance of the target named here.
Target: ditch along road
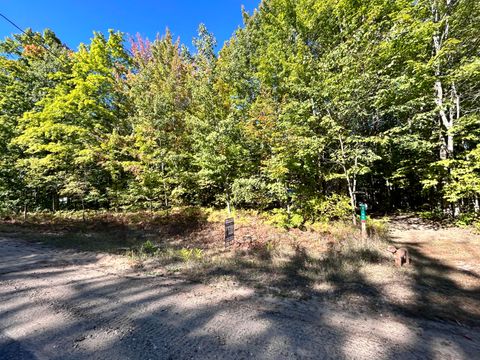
(57, 304)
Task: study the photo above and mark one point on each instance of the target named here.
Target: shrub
(333, 207)
(435, 215)
(476, 226)
(282, 218)
(296, 220)
(250, 192)
(148, 248)
(378, 228)
(278, 217)
(466, 219)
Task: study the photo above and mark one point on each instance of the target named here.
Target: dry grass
(328, 261)
(190, 241)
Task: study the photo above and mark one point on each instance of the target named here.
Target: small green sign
(363, 212)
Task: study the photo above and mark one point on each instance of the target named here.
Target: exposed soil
(59, 304)
(444, 278)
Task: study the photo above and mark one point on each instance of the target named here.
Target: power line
(12, 23)
(43, 45)
(31, 37)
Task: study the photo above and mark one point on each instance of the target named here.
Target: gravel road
(65, 305)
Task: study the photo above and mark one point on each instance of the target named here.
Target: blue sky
(75, 20)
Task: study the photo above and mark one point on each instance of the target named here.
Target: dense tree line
(311, 106)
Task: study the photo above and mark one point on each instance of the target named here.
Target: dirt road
(65, 305)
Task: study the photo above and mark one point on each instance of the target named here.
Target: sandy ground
(68, 305)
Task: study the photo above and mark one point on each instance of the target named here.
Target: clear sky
(74, 20)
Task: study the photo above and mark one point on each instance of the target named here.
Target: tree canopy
(311, 107)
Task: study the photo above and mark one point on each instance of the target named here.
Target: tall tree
(32, 64)
(62, 138)
(160, 143)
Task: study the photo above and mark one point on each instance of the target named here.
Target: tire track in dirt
(66, 308)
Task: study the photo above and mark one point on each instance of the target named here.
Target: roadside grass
(190, 242)
(327, 260)
(101, 230)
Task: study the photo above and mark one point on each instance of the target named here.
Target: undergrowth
(266, 253)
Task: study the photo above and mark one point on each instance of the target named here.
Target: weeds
(476, 227)
(467, 219)
(190, 241)
(149, 251)
(435, 215)
(326, 258)
(263, 251)
(149, 248)
(377, 228)
(190, 254)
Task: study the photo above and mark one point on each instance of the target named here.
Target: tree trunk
(456, 209)
(353, 203)
(354, 215)
(351, 183)
(446, 116)
(165, 196)
(448, 112)
(83, 211)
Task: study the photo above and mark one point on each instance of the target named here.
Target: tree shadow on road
(112, 316)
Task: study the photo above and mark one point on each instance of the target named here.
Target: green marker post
(363, 219)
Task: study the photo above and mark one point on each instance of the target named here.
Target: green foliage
(333, 207)
(251, 192)
(476, 226)
(311, 106)
(296, 220)
(378, 228)
(279, 217)
(467, 219)
(285, 219)
(148, 248)
(435, 215)
(190, 254)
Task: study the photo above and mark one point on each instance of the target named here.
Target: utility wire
(31, 37)
(43, 45)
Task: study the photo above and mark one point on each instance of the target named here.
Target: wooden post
(229, 231)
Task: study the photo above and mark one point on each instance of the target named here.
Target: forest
(308, 109)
